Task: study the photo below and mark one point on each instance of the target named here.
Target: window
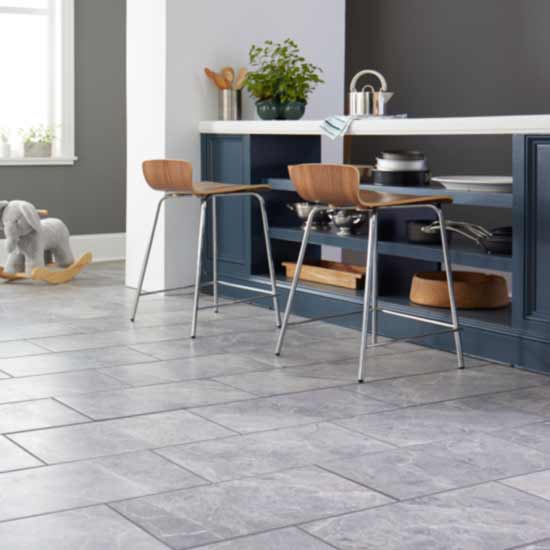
(37, 85)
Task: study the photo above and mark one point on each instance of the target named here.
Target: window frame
(66, 145)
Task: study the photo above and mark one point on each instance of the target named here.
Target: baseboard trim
(105, 247)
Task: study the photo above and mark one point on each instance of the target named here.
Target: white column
(146, 114)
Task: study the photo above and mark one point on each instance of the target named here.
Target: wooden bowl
(472, 290)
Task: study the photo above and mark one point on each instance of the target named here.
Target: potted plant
(5, 149)
(38, 141)
(281, 80)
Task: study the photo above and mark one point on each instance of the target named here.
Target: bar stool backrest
(169, 175)
(332, 184)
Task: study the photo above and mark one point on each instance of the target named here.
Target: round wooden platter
(52, 274)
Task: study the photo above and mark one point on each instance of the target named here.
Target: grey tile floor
(116, 436)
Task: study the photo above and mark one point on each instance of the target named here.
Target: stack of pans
(401, 169)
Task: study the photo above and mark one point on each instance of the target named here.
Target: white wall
(216, 33)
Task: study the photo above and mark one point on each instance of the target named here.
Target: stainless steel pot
(369, 102)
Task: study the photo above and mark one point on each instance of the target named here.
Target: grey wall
(91, 195)
(454, 58)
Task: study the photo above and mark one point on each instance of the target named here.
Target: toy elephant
(29, 240)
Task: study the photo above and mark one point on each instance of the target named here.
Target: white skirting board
(106, 247)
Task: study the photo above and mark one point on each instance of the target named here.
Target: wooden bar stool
(339, 186)
(175, 179)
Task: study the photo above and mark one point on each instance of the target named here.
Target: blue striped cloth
(337, 126)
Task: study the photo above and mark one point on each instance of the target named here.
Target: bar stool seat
(208, 188)
(338, 186)
(371, 200)
(174, 178)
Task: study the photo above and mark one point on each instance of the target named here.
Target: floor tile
(179, 370)
(72, 361)
(118, 436)
(487, 517)
(97, 528)
(14, 458)
(382, 366)
(536, 436)
(34, 415)
(537, 484)
(28, 330)
(290, 410)
(251, 455)
(281, 539)
(113, 338)
(149, 399)
(209, 345)
(435, 422)
(52, 385)
(78, 484)
(455, 384)
(278, 381)
(435, 467)
(209, 514)
(531, 400)
(19, 349)
(541, 545)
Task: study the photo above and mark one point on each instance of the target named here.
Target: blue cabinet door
(532, 236)
(226, 159)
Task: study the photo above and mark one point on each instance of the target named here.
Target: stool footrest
(236, 302)
(416, 318)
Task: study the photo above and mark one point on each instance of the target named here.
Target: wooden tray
(330, 273)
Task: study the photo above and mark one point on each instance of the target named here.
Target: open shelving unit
(462, 253)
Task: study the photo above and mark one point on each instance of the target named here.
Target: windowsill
(57, 161)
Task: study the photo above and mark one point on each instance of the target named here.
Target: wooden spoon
(210, 74)
(241, 78)
(229, 74)
(221, 82)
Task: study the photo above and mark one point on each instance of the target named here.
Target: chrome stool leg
(450, 284)
(373, 221)
(200, 247)
(296, 279)
(147, 256)
(374, 329)
(215, 254)
(271, 265)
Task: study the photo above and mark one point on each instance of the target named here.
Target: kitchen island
(249, 152)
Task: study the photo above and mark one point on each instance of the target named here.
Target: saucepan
(497, 241)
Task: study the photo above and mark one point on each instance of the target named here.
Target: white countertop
(491, 125)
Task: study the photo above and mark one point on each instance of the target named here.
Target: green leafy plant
(280, 72)
(4, 136)
(38, 134)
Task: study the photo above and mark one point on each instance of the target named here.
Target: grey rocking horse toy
(33, 243)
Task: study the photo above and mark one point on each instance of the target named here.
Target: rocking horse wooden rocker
(37, 249)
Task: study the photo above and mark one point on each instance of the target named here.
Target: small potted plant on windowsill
(281, 80)
(5, 148)
(38, 141)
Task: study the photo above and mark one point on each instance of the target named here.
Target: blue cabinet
(532, 236)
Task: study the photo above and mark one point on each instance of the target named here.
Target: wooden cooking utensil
(221, 82)
(241, 78)
(210, 74)
(229, 74)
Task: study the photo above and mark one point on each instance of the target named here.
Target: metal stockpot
(369, 102)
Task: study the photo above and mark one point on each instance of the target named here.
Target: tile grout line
(44, 463)
(138, 526)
